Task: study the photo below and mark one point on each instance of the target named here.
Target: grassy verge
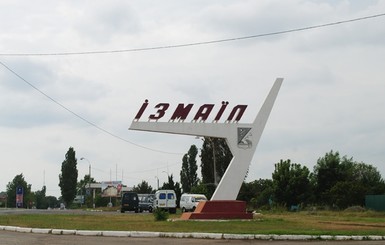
(320, 223)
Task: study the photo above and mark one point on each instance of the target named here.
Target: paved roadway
(11, 238)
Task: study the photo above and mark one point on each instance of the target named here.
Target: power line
(81, 117)
(157, 48)
(195, 43)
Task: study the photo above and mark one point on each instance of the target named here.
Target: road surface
(11, 238)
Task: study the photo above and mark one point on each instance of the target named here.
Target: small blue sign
(19, 196)
(19, 190)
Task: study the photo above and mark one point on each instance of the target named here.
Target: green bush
(160, 214)
(355, 209)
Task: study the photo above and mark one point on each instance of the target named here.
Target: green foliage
(84, 183)
(17, 181)
(257, 193)
(214, 150)
(341, 182)
(291, 183)
(200, 189)
(83, 188)
(40, 199)
(142, 188)
(103, 201)
(329, 170)
(160, 214)
(68, 177)
(52, 202)
(188, 174)
(171, 185)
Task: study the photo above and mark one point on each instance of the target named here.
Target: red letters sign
(182, 111)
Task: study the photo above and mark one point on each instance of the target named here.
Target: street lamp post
(214, 161)
(157, 182)
(89, 180)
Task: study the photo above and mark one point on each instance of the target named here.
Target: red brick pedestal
(219, 210)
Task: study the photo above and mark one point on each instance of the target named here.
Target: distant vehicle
(146, 202)
(188, 202)
(130, 202)
(165, 200)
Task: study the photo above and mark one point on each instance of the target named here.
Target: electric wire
(81, 117)
(196, 43)
(157, 48)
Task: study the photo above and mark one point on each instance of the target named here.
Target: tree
(18, 181)
(361, 180)
(201, 188)
(68, 177)
(40, 199)
(329, 170)
(264, 193)
(342, 182)
(188, 174)
(142, 188)
(257, 193)
(83, 185)
(52, 201)
(214, 151)
(291, 184)
(369, 177)
(171, 185)
(83, 188)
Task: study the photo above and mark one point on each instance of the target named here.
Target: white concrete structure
(242, 140)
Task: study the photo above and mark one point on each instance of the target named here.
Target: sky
(332, 96)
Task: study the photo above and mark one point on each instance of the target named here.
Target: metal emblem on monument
(245, 138)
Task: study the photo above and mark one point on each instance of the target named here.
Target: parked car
(146, 202)
(130, 202)
(188, 202)
(165, 200)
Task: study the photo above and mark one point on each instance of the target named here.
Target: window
(162, 196)
(170, 195)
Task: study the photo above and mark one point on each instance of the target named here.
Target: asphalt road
(11, 238)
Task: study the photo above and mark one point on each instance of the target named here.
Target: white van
(188, 202)
(166, 200)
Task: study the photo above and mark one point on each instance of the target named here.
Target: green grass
(320, 223)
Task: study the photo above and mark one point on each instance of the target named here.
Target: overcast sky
(332, 97)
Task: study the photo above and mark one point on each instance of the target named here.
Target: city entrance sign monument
(242, 139)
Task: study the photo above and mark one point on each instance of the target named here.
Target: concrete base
(219, 210)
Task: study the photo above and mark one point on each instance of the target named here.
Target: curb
(148, 234)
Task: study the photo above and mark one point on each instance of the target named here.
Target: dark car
(146, 202)
(130, 202)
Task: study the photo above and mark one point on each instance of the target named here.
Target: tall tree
(361, 180)
(188, 174)
(369, 177)
(18, 181)
(328, 171)
(142, 188)
(291, 183)
(68, 177)
(214, 152)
